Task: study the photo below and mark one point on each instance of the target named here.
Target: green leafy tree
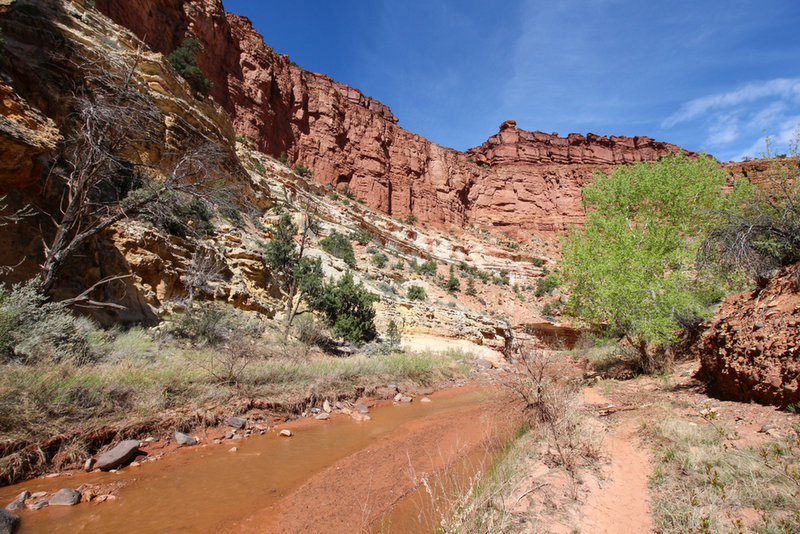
(339, 245)
(299, 278)
(184, 61)
(348, 310)
(631, 266)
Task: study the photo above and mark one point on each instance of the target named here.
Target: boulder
(286, 433)
(184, 439)
(36, 505)
(237, 422)
(483, 363)
(405, 398)
(118, 455)
(326, 406)
(386, 392)
(323, 416)
(361, 407)
(8, 522)
(65, 497)
(358, 416)
(19, 502)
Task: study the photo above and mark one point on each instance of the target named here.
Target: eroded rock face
(534, 179)
(750, 351)
(519, 181)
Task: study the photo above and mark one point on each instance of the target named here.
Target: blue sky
(703, 74)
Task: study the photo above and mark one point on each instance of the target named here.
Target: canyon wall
(517, 181)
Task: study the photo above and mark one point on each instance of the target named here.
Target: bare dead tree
(111, 120)
(12, 218)
(206, 268)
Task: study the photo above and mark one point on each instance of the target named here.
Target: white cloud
(782, 88)
(780, 142)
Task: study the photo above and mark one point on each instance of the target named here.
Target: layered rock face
(534, 179)
(51, 47)
(750, 351)
(517, 181)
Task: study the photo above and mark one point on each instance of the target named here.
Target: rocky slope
(519, 182)
(750, 351)
(275, 106)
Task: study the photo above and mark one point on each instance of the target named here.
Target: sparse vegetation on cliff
(184, 61)
(339, 246)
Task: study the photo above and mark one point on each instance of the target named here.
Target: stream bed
(275, 484)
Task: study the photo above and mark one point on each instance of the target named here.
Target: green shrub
(428, 268)
(361, 237)
(348, 193)
(546, 285)
(416, 293)
(340, 247)
(471, 291)
(301, 169)
(399, 266)
(379, 260)
(184, 61)
(348, 310)
(393, 337)
(283, 159)
(759, 225)
(33, 329)
(213, 324)
(259, 166)
(452, 285)
(538, 262)
(180, 217)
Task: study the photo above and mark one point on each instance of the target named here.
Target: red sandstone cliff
(517, 181)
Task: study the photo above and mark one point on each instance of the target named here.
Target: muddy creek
(338, 475)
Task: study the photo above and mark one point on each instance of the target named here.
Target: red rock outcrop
(535, 179)
(750, 351)
(518, 181)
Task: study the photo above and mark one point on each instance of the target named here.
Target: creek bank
(76, 438)
(212, 425)
(219, 487)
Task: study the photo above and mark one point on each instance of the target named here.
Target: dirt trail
(620, 503)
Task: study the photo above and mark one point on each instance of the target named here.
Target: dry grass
(140, 381)
(555, 433)
(702, 482)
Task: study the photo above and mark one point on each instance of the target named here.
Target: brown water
(208, 489)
